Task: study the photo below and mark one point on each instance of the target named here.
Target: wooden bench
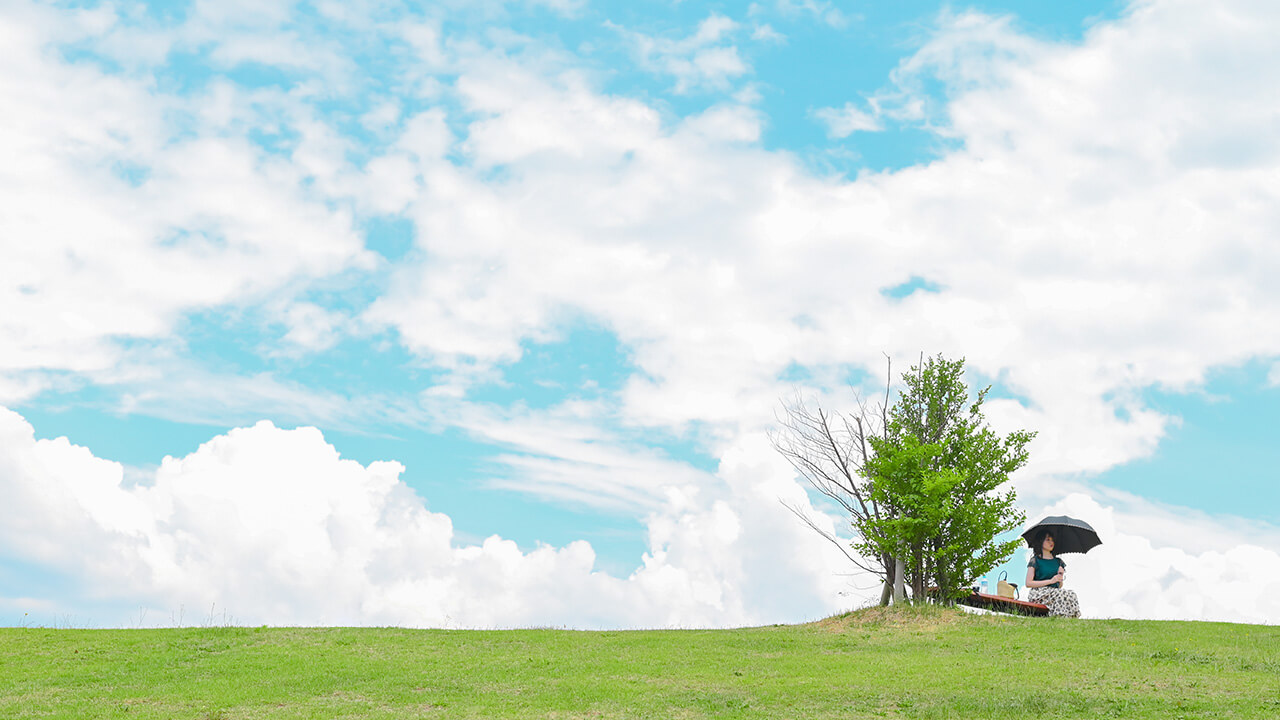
(999, 603)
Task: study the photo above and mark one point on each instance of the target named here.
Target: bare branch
(807, 520)
(831, 451)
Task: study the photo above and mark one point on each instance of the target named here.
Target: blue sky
(560, 261)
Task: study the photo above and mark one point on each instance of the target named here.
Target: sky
(479, 313)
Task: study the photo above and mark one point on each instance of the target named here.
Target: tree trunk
(886, 592)
(899, 581)
(918, 577)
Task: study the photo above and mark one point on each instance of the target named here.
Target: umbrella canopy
(1069, 535)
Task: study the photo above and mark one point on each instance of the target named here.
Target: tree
(919, 480)
(938, 469)
(915, 501)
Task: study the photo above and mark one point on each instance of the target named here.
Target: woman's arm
(1033, 583)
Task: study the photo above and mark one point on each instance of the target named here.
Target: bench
(999, 603)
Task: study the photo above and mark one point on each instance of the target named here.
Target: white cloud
(968, 52)
(825, 12)
(765, 32)
(274, 526)
(382, 117)
(285, 50)
(724, 124)
(166, 387)
(1082, 257)
(701, 61)
(524, 122)
(565, 453)
(564, 7)
(312, 327)
(845, 121)
(116, 220)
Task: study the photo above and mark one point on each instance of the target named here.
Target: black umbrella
(1069, 535)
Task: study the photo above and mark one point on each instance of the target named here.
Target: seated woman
(1044, 579)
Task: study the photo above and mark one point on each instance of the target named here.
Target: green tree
(914, 499)
(920, 481)
(937, 472)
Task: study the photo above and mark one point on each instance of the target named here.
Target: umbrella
(1069, 535)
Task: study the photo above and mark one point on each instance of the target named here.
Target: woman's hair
(1040, 536)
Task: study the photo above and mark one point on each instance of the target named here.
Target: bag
(1005, 588)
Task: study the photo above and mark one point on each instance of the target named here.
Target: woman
(1044, 580)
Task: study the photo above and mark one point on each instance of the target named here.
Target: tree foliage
(940, 467)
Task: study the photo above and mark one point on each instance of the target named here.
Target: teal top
(1045, 569)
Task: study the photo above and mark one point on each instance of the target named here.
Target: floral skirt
(1062, 603)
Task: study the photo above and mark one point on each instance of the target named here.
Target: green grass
(911, 663)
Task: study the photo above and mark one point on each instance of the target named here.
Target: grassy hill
(911, 663)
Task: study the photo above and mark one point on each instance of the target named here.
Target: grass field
(911, 663)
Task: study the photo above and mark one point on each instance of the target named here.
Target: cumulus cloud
(275, 526)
